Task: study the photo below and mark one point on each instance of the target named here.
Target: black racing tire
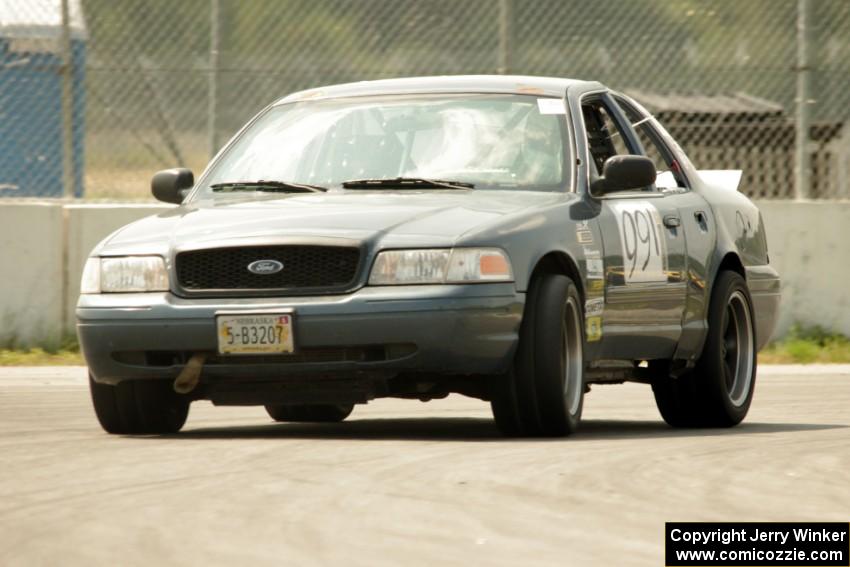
(543, 393)
(676, 398)
(719, 390)
(139, 407)
(505, 405)
(319, 413)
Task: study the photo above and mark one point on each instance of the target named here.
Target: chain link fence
(159, 83)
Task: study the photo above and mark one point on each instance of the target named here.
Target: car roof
(514, 84)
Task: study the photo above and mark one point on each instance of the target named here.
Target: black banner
(758, 544)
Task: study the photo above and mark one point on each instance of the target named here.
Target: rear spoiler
(724, 178)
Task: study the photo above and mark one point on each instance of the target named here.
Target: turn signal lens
(479, 265)
(90, 282)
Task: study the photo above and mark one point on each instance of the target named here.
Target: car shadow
(473, 429)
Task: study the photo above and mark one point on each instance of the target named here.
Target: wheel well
(733, 263)
(559, 263)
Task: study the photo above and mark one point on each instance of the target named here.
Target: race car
(514, 239)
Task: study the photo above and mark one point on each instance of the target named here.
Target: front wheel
(719, 390)
(543, 394)
(139, 406)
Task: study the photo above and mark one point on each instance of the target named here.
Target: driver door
(643, 245)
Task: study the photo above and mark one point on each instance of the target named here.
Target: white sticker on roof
(551, 106)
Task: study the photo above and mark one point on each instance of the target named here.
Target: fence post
(505, 63)
(69, 177)
(212, 102)
(68, 173)
(802, 156)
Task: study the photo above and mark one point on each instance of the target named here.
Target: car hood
(383, 218)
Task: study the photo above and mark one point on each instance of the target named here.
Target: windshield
(483, 140)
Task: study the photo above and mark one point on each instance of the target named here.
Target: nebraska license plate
(255, 333)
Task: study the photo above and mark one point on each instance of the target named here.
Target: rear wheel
(324, 413)
(543, 394)
(139, 406)
(719, 390)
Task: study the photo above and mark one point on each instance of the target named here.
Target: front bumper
(438, 329)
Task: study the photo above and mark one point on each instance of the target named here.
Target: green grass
(807, 345)
(802, 345)
(40, 357)
(65, 353)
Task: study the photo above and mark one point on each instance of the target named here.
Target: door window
(669, 174)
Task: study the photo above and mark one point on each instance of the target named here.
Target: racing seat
(598, 137)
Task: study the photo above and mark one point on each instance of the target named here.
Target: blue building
(31, 75)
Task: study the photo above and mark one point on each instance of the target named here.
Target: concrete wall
(30, 273)
(43, 247)
(809, 244)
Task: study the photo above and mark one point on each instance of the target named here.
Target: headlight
(124, 274)
(438, 266)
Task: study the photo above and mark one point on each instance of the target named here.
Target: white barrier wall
(43, 247)
(31, 277)
(809, 244)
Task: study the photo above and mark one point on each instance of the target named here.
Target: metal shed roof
(737, 103)
(39, 18)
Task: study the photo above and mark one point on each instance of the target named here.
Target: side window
(669, 172)
(604, 137)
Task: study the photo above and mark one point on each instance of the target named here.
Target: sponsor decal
(595, 268)
(594, 263)
(594, 307)
(583, 233)
(593, 328)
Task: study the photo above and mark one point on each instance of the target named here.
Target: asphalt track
(406, 483)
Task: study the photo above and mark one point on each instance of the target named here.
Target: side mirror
(620, 173)
(172, 185)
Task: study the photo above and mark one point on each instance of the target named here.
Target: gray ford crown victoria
(513, 239)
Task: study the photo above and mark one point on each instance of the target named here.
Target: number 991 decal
(642, 239)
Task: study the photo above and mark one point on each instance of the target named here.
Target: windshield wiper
(268, 186)
(406, 183)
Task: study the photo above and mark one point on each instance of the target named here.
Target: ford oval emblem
(264, 267)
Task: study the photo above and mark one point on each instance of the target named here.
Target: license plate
(263, 333)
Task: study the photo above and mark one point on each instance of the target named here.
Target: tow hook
(188, 378)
